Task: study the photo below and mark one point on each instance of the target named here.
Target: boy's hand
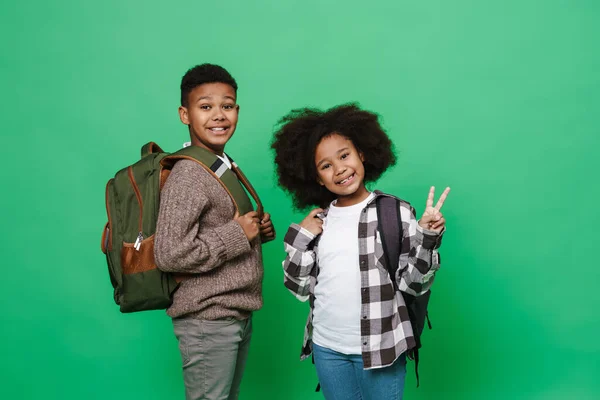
(432, 218)
(249, 223)
(267, 230)
(312, 223)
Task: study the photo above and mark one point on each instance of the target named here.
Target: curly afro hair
(298, 134)
(201, 74)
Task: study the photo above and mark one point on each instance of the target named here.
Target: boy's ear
(183, 115)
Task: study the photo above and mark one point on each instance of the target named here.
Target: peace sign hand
(432, 218)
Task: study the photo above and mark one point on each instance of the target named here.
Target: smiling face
(340, 169)
(212, 115)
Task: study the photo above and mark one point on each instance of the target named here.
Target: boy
(200, 235)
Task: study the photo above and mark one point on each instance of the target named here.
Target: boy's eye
(228, 106)
(205, 107)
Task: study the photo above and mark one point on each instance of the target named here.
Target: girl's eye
(345, 155)
(325, 166)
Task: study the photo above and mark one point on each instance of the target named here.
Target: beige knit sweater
(197, 236)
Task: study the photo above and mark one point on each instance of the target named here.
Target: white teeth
(217, 129)
(346, 180)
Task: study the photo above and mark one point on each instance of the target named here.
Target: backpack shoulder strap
(249, 188)
(389, 223)
(230, 179)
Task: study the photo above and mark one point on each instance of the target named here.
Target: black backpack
(390, 229)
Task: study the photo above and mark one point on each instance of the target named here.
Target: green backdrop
(498, 99)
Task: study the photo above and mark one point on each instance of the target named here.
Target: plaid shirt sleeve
(299, 261)
(419, 259)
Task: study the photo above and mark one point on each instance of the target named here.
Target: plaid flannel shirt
(385, 326)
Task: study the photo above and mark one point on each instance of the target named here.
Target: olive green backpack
(132, 203)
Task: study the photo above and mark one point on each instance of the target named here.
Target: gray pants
(214, 356)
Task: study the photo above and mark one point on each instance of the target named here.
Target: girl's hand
(432, 218)
(312, 223)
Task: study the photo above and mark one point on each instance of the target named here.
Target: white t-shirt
(225, 159)
(336, 316)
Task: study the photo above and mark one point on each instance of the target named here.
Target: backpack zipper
(140, 237)
(108, 243)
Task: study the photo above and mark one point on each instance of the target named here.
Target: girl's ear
(362, 156)
(319, 181)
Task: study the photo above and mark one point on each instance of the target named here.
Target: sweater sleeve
(179, 246)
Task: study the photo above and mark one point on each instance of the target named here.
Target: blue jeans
(342, 377)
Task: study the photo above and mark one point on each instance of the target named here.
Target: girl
(358, 329)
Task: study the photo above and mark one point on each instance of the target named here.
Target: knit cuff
(431, 240)
(234, 240)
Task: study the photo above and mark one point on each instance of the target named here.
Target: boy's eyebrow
(337, 152)
(210, 97)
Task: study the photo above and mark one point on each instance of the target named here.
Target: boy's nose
(218, 116)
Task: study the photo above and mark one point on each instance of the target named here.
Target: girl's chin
(350, 192)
